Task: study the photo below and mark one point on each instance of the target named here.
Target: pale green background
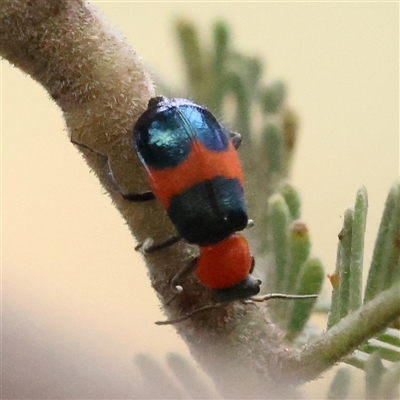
(74, 290)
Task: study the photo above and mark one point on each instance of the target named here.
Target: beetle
(193, 170)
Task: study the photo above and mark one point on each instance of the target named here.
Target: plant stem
(346, 335)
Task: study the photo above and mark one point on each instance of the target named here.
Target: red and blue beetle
(194, 171)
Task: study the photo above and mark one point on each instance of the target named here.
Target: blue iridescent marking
(205, 127)
(164, 132)
(160, 139)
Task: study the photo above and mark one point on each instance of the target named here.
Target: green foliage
(309, 280)
(272, 97)
(223, 79)
(292, 200)
(383, 271)
(278, 228)
(385, 266)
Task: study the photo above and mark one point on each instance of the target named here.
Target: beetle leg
(189, 315)
(86, 147)
(148, 246)
(236, 139)
(107, 159)
(185, 271)
(139, 197)
(134, 197)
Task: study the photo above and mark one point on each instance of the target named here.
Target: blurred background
(76, 301)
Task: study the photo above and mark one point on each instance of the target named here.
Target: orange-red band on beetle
(224, 264)
(200, 165)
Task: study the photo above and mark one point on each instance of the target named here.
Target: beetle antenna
(250, 300)
(284, 296)
(145, 245)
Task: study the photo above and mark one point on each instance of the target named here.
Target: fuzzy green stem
(290, 127)
(278, 225)
(299, 250)
(235, 83)
(387, 352)
(344, 269)
(387, 246)
(357, 359)
(341, 277)
(272, 148)
(221, 42)
(347, 335)
(357, 249)
(334, 311)
(292, 199)
(193, 57)
(390, 336)
(272, 97)
(309, 281)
